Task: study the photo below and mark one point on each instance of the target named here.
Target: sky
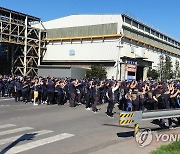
(163, 15)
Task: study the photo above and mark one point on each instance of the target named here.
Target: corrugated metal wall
(86, 51)
(150, 40)
(102, 29)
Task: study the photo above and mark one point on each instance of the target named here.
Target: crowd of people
(128, 95)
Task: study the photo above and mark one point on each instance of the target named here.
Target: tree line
(165, 70)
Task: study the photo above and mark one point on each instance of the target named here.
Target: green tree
(177, 70)
(96, 72)
(161, 67)
(153, 74)
(165, 67)
(168, 72)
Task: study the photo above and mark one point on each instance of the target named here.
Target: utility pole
(118, 58)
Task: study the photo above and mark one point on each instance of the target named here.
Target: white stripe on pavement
(4, 105)
(31, 145)
(6, 126)
(12, 139)
(14, 130)
(6, 99)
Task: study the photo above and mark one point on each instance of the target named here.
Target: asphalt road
(54, 129)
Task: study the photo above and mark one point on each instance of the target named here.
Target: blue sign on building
(131, 62)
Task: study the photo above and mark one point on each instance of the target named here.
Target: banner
(131, 66)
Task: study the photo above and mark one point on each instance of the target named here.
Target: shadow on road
(126, 134)
(22, 138)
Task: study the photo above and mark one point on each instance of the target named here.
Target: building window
(128, 21)
(132, 49)
(141, 27)
(135, 24)
(157, 34)
(71, 52)
(152, 32)
(147, 30)
(161, 36)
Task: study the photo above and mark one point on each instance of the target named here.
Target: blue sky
(163, 15)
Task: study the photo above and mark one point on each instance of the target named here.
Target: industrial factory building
(68, 46)
(126, 47)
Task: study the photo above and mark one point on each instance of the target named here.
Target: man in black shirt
(50, 91)
(111, 98)
(17, 89)
(72, 93)
(166, 101)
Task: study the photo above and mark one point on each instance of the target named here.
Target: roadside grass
(172, 148)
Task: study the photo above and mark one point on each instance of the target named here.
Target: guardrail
(136, 117)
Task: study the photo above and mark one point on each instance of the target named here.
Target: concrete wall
(72, 72)
(54, 72)
(78, 72)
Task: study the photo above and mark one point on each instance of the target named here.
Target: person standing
(87, 94)
(59, 93)
(11, 87)
(166, 101)
(72, 93)
(111, 98)
(36, 89)
(17, 89)
(96, 95)
(1, 85)
(50, 91)
(25, 89)
(44, 91)
(151, 99)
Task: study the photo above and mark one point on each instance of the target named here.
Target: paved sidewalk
(129, 146)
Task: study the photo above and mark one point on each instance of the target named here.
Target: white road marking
(14, 130)
(6, 126)
(12, 139)
(6, 99)
(4, 105)
(31, 145)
